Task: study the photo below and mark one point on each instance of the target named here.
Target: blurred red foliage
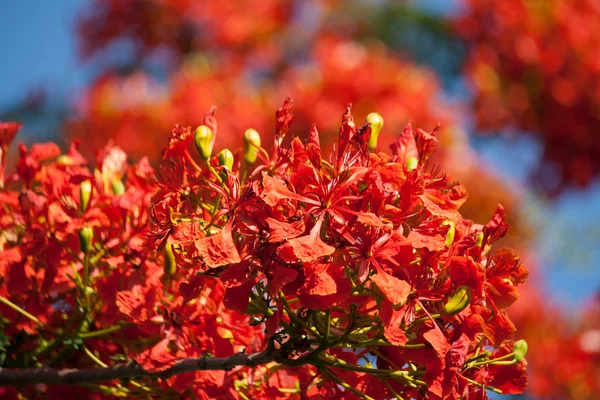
(564, 347)
(534, 65)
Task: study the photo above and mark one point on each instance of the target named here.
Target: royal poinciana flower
(294, 253)
(356, 249)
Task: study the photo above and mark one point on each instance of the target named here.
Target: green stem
(343, 384)
(104, 331)
(327, 325)
(493, 389)
(18, 309)
(94, 358)
(391, 389)
(295, 318)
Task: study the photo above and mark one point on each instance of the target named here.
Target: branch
(133, 370)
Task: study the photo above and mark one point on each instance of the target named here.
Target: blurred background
(514, 83)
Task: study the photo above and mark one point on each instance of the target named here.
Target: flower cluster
(356, 268)
(534, 66)
(356, 250)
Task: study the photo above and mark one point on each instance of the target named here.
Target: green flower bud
(459, 301)
(226, 159)
(203, 138)
(85, 192)
(251, 145)
(376, 122)
(451, 232)
(64, 159)
(86, 234)
(412, 163)
(170, 266)
(520, 350)
(118, 187)
(480, 239)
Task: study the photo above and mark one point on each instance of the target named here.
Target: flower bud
(226, 159)
(170, 266)
(459, 301)
(251, 145)
(118, 187)
(412, 163)
(85, 192)
(64, 159)
(376, 122)
(86, 234)
(451, 232)
(203, 138)
(520, 350)
(480, 239)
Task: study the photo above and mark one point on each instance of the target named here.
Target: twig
(133, 370)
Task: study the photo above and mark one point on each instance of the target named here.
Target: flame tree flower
(175, 279)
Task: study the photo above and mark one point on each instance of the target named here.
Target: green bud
(203, 138)
(118, 187)
(251, 145)
(480, 239)
(85, 192)
(226, 159)
(412, 163)
(451, 232)
(520, 350)
(86, 234)
(459, 301)
(170, 266)
(376, 122)
(64, 159)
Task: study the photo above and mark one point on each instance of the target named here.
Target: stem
(343, 384)
(327, 325)
(493, 389)
(86, 273)
(100, 332)
(125, 371)
(391, 389)
(295, 318)
(18, 309)
(189, 158)
(94, 358)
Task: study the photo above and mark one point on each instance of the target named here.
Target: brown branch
(18, 377)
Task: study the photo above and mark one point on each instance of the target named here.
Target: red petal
(392, 173)
(181, 136)
(496, 228)
(8, 130)
(237, 298)
(219, 249)
(281, 277)
(274, 191)
(394, 289)
(438, 341)
(426, 143)
(405, 147)
(511, 379)
(284, 118)
(280, 231)
(135, 303)
(319, 282)
(157, 358)
(391, 324)
(431, 243)
(306, 248)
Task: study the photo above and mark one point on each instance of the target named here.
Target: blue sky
(39, 48)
